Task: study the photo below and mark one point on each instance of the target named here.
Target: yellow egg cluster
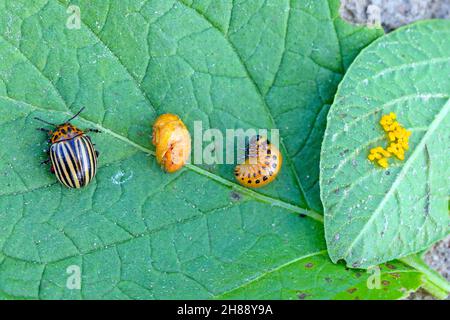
(398, 138)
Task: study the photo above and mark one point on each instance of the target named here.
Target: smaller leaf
(374, 215)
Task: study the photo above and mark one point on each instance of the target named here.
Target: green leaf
(321, 280)
(136, 232)
(374, 215)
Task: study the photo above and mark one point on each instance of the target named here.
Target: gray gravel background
(392, 14)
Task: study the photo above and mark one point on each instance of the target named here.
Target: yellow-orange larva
(172, 141)
(262, 164)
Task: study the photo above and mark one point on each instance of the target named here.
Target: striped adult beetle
(71, 153)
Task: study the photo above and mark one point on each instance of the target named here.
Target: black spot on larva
(254, 175)
(249, 175)
(69, 129)
(269, 151)
(274, 165)
(257, 181)
(242, 179)
(249, 181)
(63, 131)
(237, 174)
(274, 158)
(270, 173)
(265, 178)
(259, 172)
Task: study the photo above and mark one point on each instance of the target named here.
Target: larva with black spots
(263, 162)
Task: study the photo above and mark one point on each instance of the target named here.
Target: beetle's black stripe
(63, 162)
(76, 166)
(56, 167)
(58, 164)
(84, 147)
(88, 157)
(82, 158)
(74, 161)
(69, 164)
(92, 156)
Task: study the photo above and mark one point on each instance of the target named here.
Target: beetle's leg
(52, 169)
(93, 130)
(45, 161)
(97, 153)
(45, 130)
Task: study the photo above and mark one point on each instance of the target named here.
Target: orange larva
(172, 141)
(262, 164)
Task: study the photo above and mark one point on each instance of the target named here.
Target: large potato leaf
(374, 215)
(136, 232)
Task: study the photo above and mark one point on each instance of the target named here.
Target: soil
(392, 14)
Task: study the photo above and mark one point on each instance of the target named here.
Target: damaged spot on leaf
(351, 290)
(390, 266)
(303, 296)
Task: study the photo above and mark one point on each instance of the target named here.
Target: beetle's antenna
(46, 122)
(78, 113)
